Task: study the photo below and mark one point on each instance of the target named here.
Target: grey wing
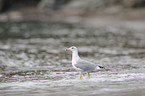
(85, 66)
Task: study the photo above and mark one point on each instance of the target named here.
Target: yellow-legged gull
(82, 65)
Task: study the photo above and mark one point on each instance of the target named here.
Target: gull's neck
(75, 56)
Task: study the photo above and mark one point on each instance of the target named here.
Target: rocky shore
(70, 10)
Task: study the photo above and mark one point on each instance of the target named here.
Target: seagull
(80, 64)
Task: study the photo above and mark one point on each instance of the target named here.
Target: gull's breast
(73, 64)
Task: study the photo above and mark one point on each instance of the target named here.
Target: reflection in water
(33, 60)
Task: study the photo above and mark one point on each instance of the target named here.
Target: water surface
(33, 60)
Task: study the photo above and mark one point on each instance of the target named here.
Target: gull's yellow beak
(66, 49)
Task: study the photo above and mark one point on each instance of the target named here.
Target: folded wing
(85, 65)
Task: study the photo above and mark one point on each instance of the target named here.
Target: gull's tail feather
(99, 67)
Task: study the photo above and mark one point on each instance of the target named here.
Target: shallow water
(33, 61)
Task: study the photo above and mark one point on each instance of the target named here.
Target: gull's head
(73, 48)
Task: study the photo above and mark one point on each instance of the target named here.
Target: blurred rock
(1, 5)
(82, 6)
(15, 16)
(52, 4)
(133, 3)
(6, 5)
(45, 4)
(85, 4)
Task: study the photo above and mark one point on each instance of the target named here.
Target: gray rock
(46, 4)
(133, 3)
(85, 5)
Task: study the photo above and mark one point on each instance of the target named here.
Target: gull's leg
(81, 75)
(88, 75)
